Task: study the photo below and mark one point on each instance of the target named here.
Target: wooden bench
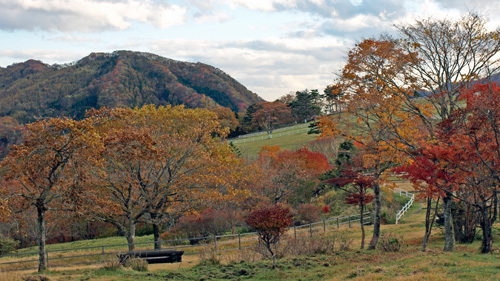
(153, 256)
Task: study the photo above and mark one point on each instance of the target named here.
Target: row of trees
(446, 144)
(148, 165)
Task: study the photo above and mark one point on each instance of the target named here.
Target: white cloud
(270, 67)
(86, 15)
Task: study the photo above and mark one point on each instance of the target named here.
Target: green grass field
(290, 138)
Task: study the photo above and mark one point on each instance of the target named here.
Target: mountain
(33, 89)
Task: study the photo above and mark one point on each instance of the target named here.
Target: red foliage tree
(270, 222)
(352, 176)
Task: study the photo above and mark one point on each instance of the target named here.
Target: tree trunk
(449, 235)
(376, 218)
(156, 230)
(42, 237)
(486, 227)
(131, 236)
(429, 222)
(362, 227)
(156, 234)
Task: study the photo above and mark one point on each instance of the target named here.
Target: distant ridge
(33, 89)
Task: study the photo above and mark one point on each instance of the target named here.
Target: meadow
(407, 263)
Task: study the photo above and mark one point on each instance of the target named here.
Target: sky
(273, 47)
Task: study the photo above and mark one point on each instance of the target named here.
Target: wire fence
(190, 246)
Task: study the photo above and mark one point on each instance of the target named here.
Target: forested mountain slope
(32, 89)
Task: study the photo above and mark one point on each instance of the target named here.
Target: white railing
(407, 205)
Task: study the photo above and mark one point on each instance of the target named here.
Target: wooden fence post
(349, 221)
(295, 232)
(215, 242)
(324, 225)
(311, 230)
(338, 225)
(239, 241)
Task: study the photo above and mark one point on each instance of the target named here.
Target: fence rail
(408, 204)
(221, 243)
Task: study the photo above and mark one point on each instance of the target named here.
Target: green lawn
(290, 138)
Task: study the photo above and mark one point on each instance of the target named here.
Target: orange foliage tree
(46, 169)
(290, 176)
(412, 66)
(160, 162)
(270, 114)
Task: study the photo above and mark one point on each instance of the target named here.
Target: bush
(307, 213)
(389, 242)
(112, 265)
(207, 223)
(7, 245)
(174, 238)
(323, 244)
(137, 264)
(209, 255)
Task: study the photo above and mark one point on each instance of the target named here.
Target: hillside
(32, 89)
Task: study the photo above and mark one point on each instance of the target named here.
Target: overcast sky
(273, 47)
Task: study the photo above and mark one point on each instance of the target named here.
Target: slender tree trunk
(131, 235)
(42, 237)
(449, 235)
(156, 234)
(362, 207)
(376, 217)
(486, 227)
(429, 222)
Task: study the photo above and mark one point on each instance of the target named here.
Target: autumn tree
(464, 161)
(226, 117)
(333, 95)
(290, 176)
(46, 169)
(435, 58)
(270, 114)
(352, 180)
(159, 162)
(271, 223)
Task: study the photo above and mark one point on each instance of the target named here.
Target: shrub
(323, 244)
(137, 264)
(112, 265)
(307, 213)
(389, 242)
(7, 245)
(209, 255)
(207, 223)
(271, 223)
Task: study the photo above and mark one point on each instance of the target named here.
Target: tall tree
(355, 183)
(46, 169)
(160, 162)
(435, 58)
(306, 105)
(270, 114)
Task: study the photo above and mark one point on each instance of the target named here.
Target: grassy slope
(290, 138)
(408, 264)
